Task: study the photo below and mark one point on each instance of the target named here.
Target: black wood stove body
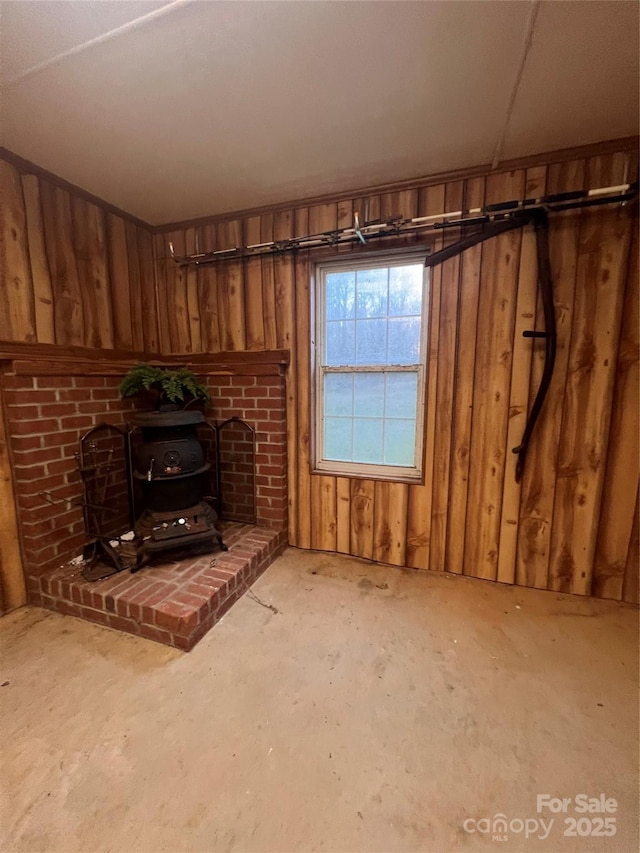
(172, 472)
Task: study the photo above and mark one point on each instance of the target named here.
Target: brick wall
(47, 415)
(261, 402)
(237, 472)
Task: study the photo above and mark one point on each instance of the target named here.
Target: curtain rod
(374, 230)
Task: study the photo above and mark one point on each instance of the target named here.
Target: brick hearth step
(174, 603)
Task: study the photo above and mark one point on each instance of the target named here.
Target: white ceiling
(215, 106)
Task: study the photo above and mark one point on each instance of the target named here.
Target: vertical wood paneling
(74, 273)
(449, 299)
(160, 252)
(268, 286)
(520, 376)
(469, 515)
(17, 312)
(492, 379)
(343, 515)
(420, 497)
(600, 277)
(324, 509)
(177, 307)
(361, 505)
(91, 259)
(284, 284)
(193, 296)
(345, 220)
(254, 320)
(539, 480)
(150, 333)
(231, 296)
(617, 516)
(67, 296)
(463, 392)
(390, 522)
(41, 277)
(191, 287)
(119, 282)
(208, 295)
(78, 275)
(12, 583)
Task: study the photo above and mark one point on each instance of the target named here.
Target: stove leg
(141, 561)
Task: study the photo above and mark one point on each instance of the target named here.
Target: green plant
(171, 386)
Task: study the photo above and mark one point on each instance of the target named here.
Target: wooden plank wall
(12, 581)
(73, 272)
(571, 525)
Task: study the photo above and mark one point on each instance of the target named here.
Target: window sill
(369, 472)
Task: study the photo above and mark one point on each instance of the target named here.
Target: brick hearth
(47, 406)
(175, 602)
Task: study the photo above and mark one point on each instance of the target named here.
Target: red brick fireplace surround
(50, 403)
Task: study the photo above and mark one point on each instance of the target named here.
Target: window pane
(404, 340)
(368, 440)
(338, 394)
(401, 395)
(399, 442)
(405, 290)
(337, 439)
(369, 395)
(371, 344)
(340, 295)
(340, 342)
(372, 293)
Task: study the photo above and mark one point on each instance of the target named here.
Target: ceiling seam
(526, 47)
(103, 37)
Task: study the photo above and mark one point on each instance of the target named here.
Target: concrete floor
(377, 710)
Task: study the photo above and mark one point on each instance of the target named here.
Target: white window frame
(367, 470)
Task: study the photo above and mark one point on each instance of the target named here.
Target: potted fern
(164, 389)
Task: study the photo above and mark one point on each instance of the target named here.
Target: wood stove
(171, 470)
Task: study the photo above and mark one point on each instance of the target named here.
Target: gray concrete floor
(377, 710)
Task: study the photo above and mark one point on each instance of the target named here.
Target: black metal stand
(103, 560)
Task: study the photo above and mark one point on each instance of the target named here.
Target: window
(370, 365)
